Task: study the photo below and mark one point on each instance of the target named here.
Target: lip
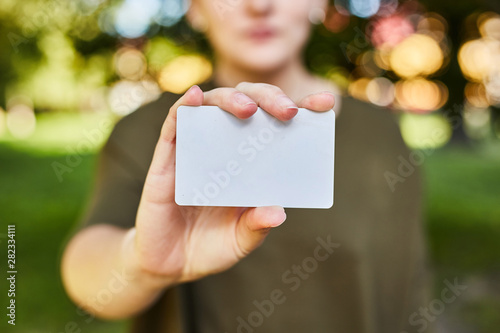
(261, 33)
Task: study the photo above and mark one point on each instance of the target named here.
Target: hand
(176, 244)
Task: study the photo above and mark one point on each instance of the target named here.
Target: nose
(259, 7)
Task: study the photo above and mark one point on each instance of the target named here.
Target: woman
(354, 268)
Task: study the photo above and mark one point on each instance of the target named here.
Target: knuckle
(242, 85)
(227, 99)
(271, 87)
(231, 97)
(216, 91)
(268, 89)
(214, 96)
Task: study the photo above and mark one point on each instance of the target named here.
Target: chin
(264, 61)
(263, 66)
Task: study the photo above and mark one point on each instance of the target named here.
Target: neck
(291, 78)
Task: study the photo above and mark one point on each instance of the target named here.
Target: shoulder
(369, 144)
(147, 117)
(371, 129)
(365, 118)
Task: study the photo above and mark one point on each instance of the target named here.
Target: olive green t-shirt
(358, 267)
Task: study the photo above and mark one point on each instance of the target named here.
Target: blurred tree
(57, 51)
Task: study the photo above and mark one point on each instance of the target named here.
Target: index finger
(323, 101)
(232, 101)
(271, 98)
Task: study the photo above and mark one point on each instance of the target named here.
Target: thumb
(254, 225)
(193, 97)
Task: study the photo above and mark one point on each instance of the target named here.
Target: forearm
(101, 275)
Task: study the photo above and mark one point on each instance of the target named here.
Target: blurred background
(71, 69)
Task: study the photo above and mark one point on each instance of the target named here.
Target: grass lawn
(44, 210)
(463, 214)
(463, 223)
(463, 208)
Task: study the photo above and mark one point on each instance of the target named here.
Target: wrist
(136, 271)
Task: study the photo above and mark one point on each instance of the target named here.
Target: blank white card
(225, 161)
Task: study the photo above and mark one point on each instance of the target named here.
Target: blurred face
(257, 35)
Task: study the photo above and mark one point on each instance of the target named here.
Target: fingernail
(329, 93)
(289, 106)
(292, 110)
(280, 215)
(286, 103)
(192, 87)
(243, 99)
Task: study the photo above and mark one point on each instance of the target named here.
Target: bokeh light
(21, 121)
(475, 94)
(390, 31)
(335, 21)
(364, 8)
(416, 55)
(159, 51)
(421, 95)
(357, 88)
(382, 58)
(172, 11)
(130, 64)
(477, 122)
(380, 91)
(133, 17)
(339, 75)
(411, 43)
(492, 85)
(425, 131)
(367, 65)
(183, 72)
(126, 96)
(387, 7)
(434, 25)
(489, 25)
(478, 58)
